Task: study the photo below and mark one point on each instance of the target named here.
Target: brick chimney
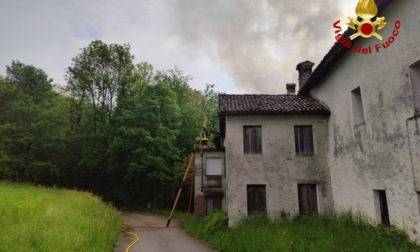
(305, 71)
(291, 88)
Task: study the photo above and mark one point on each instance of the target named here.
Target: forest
(119, 129)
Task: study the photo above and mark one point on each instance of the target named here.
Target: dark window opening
(415, 84)
(209, 205)
(308, 200)
(252, 140)
(256, 200)
(383, 206)
(304, 142)
(213, 202)
(356, 97)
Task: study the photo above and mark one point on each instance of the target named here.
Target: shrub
(216, 221)
(336, 232)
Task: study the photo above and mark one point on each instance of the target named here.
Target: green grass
(46, 219)
(304, 233)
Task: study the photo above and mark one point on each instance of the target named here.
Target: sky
(240, 46)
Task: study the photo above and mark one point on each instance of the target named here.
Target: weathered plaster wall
(377, 154)
(201, 182)
(413, 133)
(278, 167)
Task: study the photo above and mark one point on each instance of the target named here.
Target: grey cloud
(255, 44)
(258, 43)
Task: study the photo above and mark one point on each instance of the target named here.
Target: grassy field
(342, 233)
(45, 219)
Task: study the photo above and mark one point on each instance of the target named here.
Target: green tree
(210, 104)
(33, 82)
(32, 126)
(191, 113)
(143, 149)
(97, 75)
(118, 129)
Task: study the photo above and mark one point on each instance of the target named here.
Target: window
(308, 200)
(381, 207)
(256, 200)
(214, 166)
(213, 202)
(304, 142)
(252, 140)
(209, 205)
(356, 98)
(418, 201)
(415, 83)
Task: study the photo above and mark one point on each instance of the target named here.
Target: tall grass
(304, 233)
(45, 219)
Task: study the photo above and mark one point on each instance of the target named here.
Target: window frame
(381, 207)
(209, 204)
(358, 108)
(414, 72)
(308, 197)
(252, 199)
(253, 142)
(301, 147)
(207, 167)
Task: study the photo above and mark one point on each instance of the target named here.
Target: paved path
(157, 240)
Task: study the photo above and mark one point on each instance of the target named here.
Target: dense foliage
(119, 129)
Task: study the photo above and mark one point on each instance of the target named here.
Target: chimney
(305, 71)
(291, 88)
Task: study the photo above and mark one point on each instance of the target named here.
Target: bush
(336, 232)
(216, 221)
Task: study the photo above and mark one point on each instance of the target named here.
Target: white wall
(278, 167)
(202, 182)
(377, 154)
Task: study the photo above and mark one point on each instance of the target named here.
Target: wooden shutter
(247, 139)
(304, 143)
(252, 139)
(303, 199)
(308, 200)
(256, 140)
(313, 199)
(256, 199)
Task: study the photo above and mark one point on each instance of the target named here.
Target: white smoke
(258, 43)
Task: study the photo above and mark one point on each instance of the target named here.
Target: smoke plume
(258, 43)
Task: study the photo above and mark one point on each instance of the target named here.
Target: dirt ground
(159, 240)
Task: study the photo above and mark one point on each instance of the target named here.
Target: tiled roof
(334, 54)
(270, 104)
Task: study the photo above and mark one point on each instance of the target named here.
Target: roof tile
(270, 104)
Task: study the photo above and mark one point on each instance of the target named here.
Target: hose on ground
(159, 227)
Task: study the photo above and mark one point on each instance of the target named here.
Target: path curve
(157, 240)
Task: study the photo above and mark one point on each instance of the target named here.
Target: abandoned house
(348, 140)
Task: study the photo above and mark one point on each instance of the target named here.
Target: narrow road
(157, 240)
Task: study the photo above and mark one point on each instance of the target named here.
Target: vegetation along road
(153, 239)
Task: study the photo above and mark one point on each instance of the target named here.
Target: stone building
(209, 180)
(276, 155)
(362, 112)
(374, 126)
